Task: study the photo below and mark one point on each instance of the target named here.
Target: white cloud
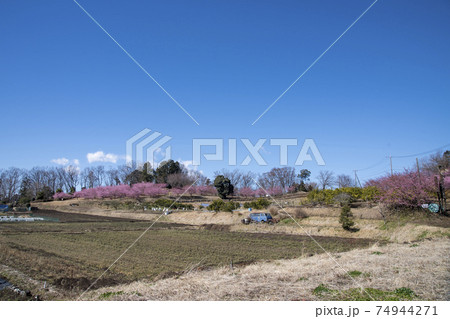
(75, 163)
(100, 156)
(188, 165)
(60, 161)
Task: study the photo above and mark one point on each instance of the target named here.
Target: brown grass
(71, 255)
(422, 267)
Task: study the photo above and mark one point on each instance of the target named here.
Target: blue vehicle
(258, 218)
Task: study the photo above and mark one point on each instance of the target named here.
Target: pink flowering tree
(62, 196)
(260, 192)
(275, 191)
(247, 192)
(123, 191)
(405, 189)
(176, 192)
(208, 190)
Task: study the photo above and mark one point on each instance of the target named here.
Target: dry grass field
(70, 255)
(201, 255)
(393, 272)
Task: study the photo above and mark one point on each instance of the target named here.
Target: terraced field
(70, 255)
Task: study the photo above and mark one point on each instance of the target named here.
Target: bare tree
(284, 176)
(436, 162)
(112, 177)
(70, 177)
(247, 180)
(37, 176)
(201, 179)
(10, 180)
(234, 176)
(88, 178)
(52, 180)
(123, 171)
(326, 179)
(267, 180)
(180, 180)
(344, 181)
(99, 174)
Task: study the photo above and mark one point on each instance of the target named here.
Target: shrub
(299, 213)
(216, 205)
(342, 195)
(273, 210)
(219, 205)
(346, 218)
(260, 203)
(321, 196)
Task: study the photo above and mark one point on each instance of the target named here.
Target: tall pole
(356, 180)
(418, 170)
(390, 159)
(360, 186)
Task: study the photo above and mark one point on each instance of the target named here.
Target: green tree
(25, 193)
(45, 194)
(165, 169)
(304, 175)
(147, 173)
(134, 177)
(223, 186)
(144, 174)
(346, 218)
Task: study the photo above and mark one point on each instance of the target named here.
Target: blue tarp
(4, 208)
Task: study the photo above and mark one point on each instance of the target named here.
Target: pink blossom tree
(62, 196)
(404, 189)
(247, 192)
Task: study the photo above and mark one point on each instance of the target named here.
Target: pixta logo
(309, 146)
(146, 146)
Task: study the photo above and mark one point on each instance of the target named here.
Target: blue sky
(68, 90)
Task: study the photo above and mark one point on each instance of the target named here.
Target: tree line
(40, 183)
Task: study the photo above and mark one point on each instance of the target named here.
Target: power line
(372, 166)
(423, 153)
(376, 174)
(391, 157)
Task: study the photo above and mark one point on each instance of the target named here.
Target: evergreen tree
(346, 218)
(223, 186)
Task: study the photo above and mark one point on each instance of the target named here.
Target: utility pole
(443, 200)
(418, 170)
(438, 188)
(360, 186)
(357, 181)
(390, 159)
